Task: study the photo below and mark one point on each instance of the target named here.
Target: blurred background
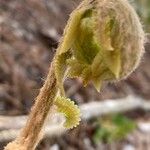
(117, 118)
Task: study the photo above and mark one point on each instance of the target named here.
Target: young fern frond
(70, 110)
(103, 41)
(107, 42)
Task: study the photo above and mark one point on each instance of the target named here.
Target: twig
(55, 127)
(94, 109)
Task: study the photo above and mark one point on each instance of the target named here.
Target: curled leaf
(70, 110)
(105, 39)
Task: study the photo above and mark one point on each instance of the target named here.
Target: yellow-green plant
(113, 128)
(103, 41)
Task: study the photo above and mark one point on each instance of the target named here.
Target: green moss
(114, 128)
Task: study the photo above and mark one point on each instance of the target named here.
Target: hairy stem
(30, 135)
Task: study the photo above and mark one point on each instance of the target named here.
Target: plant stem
(30, 134)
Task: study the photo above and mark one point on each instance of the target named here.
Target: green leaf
(75, 68)
(60, 69)
(85, 46)
(118, 126)
(69, 109)
(70, 31)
